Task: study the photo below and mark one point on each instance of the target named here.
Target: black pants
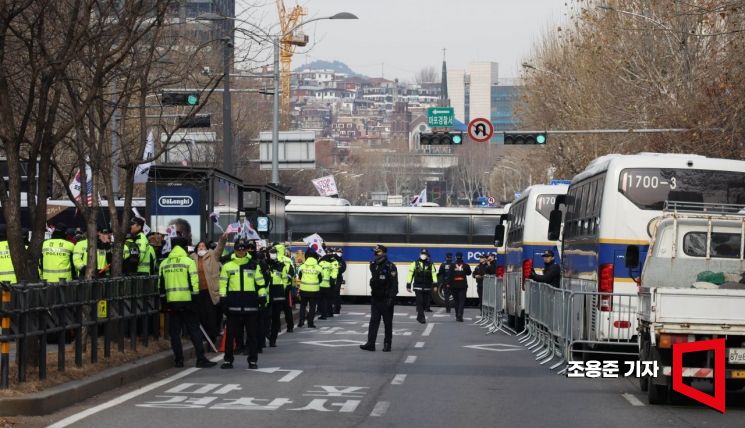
(208, 314)
(288, 308)
(422, 301)
(447, 292)
(262, 326)
(276, 308)
(336, 297)
(308, 300)
(460, 300)
(479, 290)
(185, 319)
(237, 323)
(324, 301)
(380, 308)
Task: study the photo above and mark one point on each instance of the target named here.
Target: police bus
(527, 222)
(403, 230)
(609, 207)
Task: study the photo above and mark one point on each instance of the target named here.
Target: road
(442, 374)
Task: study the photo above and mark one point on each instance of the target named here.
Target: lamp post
(227, 109)
(275, 102)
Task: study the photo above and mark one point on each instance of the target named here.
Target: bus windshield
(649, 188)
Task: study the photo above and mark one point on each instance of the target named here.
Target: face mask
(378, 253)
(202, 253)
(423, 256)
(338, 254)
(273, 256)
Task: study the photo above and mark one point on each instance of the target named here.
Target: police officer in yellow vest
(178, 285)
(56, 256)
(7, 271)
(422, 275)
(241, 289)
(280, 271)
(311, 275)
(324, 295)
(103, 254)
(287, 282)
(146, 265)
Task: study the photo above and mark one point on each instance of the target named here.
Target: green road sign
(440, 117)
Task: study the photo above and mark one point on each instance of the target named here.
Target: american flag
(76, 187)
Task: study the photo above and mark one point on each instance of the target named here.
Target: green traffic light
(192, 99)
(457, 139)
(540, 139)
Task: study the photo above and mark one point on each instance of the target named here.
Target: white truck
(677, 306)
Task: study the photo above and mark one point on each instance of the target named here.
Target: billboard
(177, 204)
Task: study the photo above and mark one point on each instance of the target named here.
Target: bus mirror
(632, 257)
(554, 225)
(499, 235)
(560, 200)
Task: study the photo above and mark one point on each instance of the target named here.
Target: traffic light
(440, 138)
(179, 98)
(196, 121)
(538, 138)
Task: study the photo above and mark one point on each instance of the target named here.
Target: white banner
(326, 186)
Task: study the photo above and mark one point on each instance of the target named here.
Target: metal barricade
(492, 308)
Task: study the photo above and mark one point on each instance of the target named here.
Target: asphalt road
(441, 374)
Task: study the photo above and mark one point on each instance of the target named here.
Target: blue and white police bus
(609, 207)
(403, 230)
(525, 242)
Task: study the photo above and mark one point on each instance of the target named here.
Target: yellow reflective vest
(242, 285)
(311, 275)
(56, 260)
(80, 257)
(146, 265)
(7, 272)
(178, 277)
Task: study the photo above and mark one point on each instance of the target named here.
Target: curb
(64, 395)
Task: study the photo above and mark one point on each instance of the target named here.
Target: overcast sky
(400, 37)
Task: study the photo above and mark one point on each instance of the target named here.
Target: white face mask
(273, 256)
(338, 254)
(423, 256)
(202, 253)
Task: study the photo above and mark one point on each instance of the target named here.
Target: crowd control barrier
(563, 325)
(119, 309)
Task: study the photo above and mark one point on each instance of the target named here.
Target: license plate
(737, 355)
(737, 374)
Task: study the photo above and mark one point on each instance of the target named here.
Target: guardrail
(117, 308)
(560, 323)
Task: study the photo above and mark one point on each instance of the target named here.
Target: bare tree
(427, 74)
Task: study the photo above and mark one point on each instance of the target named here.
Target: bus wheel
(438, 296)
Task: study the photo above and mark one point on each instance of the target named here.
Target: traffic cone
(223, 339)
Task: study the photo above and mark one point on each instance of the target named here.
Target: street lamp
(275, 107)
(543, 70)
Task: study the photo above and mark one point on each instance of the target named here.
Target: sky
(397, 38)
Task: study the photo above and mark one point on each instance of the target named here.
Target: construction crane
(288, 22)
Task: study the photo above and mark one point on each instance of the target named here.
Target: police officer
(179, 286)
(336, 292)
(330, 270)
(56, 256)
(551, 271)
(229, 269)
(421, 275)
(241, 290)
(287, 283)
(445, 277)
(277, 295)
(131, 254)
(311, 275)
(479, 273)
(383, 291)
(7, 271)
(103, 254)
(264, 319)
(148, 258)
(459, 285)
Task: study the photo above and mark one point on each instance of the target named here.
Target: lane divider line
(398, 379)
(380, 408)
(631, 398)
(427, 331)
(410, 359)
(419, 345)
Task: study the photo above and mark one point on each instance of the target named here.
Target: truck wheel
(656, 394)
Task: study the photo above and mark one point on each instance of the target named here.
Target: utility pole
(275, 114)
(227, 110)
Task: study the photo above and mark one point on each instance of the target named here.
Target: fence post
(23, 339)
(95, 287)
(5, 344)
(78, 307)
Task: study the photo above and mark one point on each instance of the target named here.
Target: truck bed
(683, 310)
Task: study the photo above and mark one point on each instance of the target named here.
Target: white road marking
(631, 398)
(419, 345)
(398, 379)
(427, 331)
(292, 374)
(126, 397)
(380, 408)
(354, 313)
(410, 359)
(494, 347)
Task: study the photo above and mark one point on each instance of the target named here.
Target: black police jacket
(383, 279)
